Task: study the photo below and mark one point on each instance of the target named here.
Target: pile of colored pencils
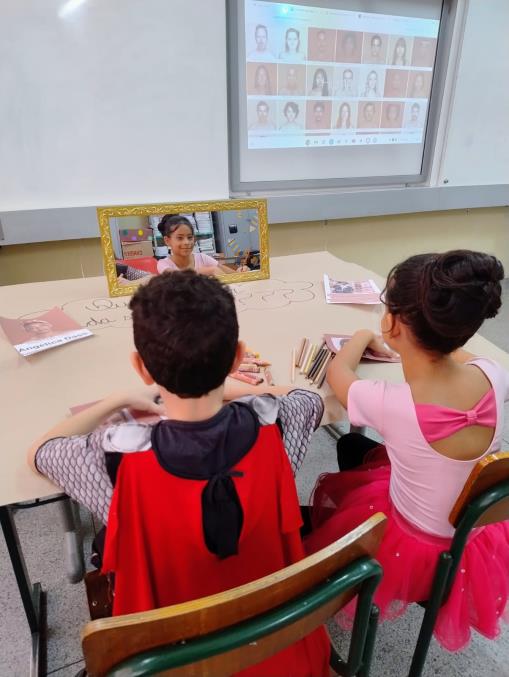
(312, 360)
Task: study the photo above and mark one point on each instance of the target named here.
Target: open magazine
(336, 341)
(341, 291)
(34, 334)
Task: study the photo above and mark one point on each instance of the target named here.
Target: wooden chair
(484, 500)
(227, 632)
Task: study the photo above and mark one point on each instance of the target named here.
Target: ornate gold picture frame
(232, 232)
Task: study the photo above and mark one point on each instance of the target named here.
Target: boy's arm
(88, 420)
(234, 389)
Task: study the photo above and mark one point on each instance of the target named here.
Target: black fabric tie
(222, 514)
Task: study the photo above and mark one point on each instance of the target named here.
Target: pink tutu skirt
(479, 596)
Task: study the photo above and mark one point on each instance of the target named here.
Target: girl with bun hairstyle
(178, 235)
(436, 426)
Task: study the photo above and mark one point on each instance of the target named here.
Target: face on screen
(262, 112)
(261, 38)
(292, 81)
(369, 112)
(292, 40)
(347, 80)
(392, 112)
(349, 44)
(291, 112)
(376, 46)
(318, 114)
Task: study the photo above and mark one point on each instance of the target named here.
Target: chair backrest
(106, 642)
(490, 472)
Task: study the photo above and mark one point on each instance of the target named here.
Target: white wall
(118, 101)
(476, 144)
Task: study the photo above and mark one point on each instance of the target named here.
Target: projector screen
(321, 91)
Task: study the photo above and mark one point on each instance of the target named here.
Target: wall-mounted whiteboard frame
(235, 32)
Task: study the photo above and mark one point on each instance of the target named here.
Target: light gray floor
(40, 534)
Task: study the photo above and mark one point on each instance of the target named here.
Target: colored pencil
(268, 377)
(253, 368)
(321, 355)
(323, 371)
(300, 352)
(310, 359)
(306, 357)
(300, 358)
(242, 376)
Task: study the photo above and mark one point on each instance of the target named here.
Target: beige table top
(274, 316)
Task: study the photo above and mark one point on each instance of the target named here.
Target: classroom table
(37, 391)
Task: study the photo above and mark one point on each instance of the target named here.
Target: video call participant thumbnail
(261, 52)
(419, 85)
(291, 122)
(369, 115)
(292, 48)
(321, 44)
(319, 82)
(318, 115)
(374, 48)
(414, 117)
(401, 52)
(372, 88)
(348, 46)
(344, 116)
(346, 82)
(291, 80)
(263, 122)
(392, 115)
(423, 53)
(396, 82)
(261, 79)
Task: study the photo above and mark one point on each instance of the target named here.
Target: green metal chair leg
(430, 615)
(370, 642)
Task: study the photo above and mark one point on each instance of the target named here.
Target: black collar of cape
(208, 450)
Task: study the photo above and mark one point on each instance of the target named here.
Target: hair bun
(460, 289)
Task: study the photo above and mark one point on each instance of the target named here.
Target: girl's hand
(377, 346)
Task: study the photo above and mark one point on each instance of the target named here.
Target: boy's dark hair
(445, 298)
(170, 222)
(186, 331)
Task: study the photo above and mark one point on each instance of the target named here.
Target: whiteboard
(117, 101)
(476, 148)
